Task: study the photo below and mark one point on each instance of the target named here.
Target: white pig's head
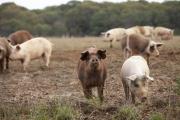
(139, 85)
(16, 53)
(153, 47)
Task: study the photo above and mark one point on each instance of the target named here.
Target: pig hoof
(157, 55)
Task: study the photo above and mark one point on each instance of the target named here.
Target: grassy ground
(44, 94)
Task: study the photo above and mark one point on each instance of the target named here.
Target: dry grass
(78, 43)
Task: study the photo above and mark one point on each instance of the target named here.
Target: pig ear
(159, 44)
(149, 78)
(102, 54)
(108, 34)
(103, 33)
(18, 47)
(9, 40)
(84, 55)
(132, 77)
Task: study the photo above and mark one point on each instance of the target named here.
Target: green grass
(65, 112)
(177, 89)
(157, 116)
(16, 111)
(95, 102)
(54, 111)
(127, 113)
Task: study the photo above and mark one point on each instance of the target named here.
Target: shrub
(177, 90)
(65, 112)
(127, 113)
(157, 116)
(10, 111)
(53, 110)
(39, 113)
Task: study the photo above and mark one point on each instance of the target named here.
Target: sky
(40, 4)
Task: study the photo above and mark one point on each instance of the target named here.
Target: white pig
(114, 35)
(135, 77)
(32, 49)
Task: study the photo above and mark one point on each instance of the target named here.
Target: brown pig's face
(93, 59)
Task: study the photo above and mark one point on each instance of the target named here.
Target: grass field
(55, 93)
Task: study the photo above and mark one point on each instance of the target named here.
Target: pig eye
(18, 47)
(152, 48)
(108, 34)
(136, 85)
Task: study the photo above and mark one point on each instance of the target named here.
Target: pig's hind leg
(46, 58)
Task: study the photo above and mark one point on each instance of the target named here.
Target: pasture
(21, 92)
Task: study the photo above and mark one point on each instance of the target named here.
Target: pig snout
(94, 62)
(143, 99)
(144, 95)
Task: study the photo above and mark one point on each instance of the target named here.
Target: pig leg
(7, 62)
(100, 92)
(87, 92)
(126, 89)
(147, 59)
(25, 63)
(133, 97)
(4, 64)
(46, 58)
(1, 65)
(111, 44)
(22, 61)
(126, 53)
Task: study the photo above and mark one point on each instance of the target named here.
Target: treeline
(88, 18)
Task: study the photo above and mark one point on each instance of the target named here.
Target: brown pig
(92, 71)
(19, 37)
(136, 44)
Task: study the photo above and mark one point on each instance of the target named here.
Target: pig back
(134, 65)
(19, 37)
(137, 43)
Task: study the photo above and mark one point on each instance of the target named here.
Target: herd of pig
(92, 70)
(21, 46)
(154, 33)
